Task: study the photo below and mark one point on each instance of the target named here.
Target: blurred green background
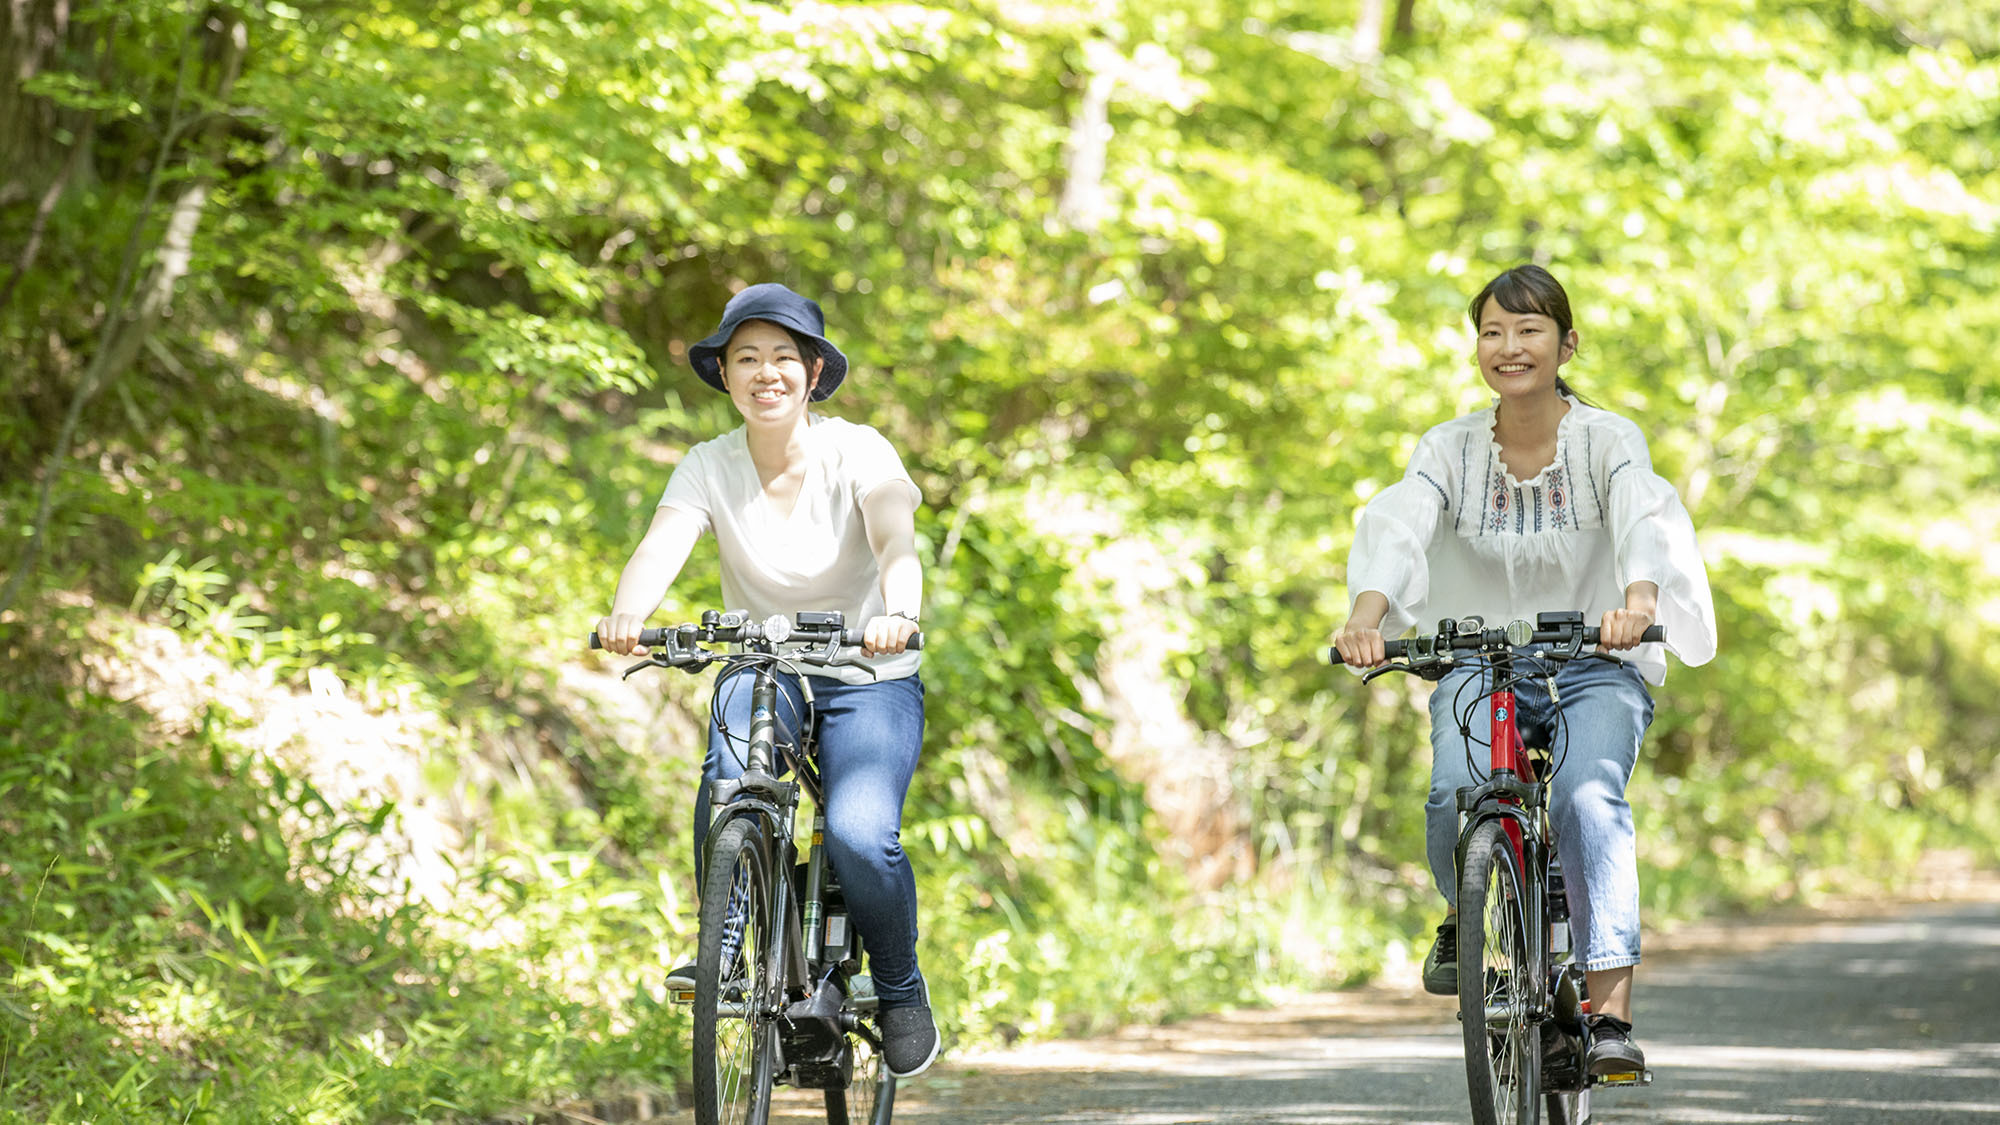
(342, 362)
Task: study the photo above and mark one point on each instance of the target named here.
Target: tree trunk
(1082, 205)
(133, 317)
(1406, 22)
(1368, 30)
(32, 33)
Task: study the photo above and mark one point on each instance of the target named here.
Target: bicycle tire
(1502, 1048)
(734, 1050)
(870, 1093)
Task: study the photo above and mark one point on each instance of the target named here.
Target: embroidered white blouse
(1459, 536)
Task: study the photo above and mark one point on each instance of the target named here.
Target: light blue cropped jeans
(1605, 711)
(869, 737)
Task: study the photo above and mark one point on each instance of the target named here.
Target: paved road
(1894, 1020)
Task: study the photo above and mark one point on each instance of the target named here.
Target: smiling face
(1520, 354)
(769, 379)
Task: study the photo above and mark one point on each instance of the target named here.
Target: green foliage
(191, 922)
(418, 383)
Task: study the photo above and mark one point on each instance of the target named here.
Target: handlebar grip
(853, 638)
(1390, 651)
(647, 638)
(1652, 633)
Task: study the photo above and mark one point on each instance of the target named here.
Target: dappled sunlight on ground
(1843, 1021)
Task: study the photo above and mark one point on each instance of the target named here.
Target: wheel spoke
(1496, 983)
(731, 1047)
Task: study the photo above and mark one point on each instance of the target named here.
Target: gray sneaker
(910, 1039)
(1441, 963)
(680, 984)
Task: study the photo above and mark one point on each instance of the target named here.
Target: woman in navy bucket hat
(809, 513)
(778, 305)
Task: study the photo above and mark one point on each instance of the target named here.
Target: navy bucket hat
(778, 305)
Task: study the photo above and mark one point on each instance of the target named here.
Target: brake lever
(1384, 669)
(651, 661)
(674, 656)
(820, 661)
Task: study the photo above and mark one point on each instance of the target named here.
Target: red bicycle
(1521, 996)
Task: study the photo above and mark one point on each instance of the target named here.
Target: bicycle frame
(760, 792)
(1513, 795)
(812, 1032)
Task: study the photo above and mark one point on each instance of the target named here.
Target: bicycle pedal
(1629, 1078)
(681, 996)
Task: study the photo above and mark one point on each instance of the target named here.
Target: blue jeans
(1605, 711)
(869, 736)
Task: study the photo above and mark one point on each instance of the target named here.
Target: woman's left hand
(1622, 628)
(887, 634)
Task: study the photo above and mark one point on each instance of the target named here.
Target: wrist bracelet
(909, 617)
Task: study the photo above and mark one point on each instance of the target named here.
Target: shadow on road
(1850, 1022)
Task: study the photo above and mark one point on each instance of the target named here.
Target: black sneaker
(910, 1038)
(1441, 963)
(680, 984)
(1611, 1048)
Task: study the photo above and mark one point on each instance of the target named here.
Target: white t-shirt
(1459, 536)
(816, 558)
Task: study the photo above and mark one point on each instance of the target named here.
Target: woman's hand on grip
(1622, 628)
(1359, 645)
(619, 632)
(887, 635)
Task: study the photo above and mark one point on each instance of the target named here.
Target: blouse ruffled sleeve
(1390, 541)
(1653, 541)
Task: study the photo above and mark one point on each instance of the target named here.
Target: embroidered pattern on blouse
(1432, 481)
(1502, 499)
(1464, 467)
(1496, 488)
(1553, 503)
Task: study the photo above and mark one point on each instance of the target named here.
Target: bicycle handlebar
(1452, 636)
(807, 628)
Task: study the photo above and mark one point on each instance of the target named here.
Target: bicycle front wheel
(871, 1093)
(1496, 977)
(734, 1046)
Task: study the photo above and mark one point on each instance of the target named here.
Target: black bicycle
(1521, 994)
(776, 959)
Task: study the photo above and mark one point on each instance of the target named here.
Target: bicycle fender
(1485, 813)
(771, 815)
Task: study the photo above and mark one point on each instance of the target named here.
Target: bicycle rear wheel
(871, 1094)
(1495, 989)
(734, 1047)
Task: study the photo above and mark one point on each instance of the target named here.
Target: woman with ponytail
(1541, 502)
